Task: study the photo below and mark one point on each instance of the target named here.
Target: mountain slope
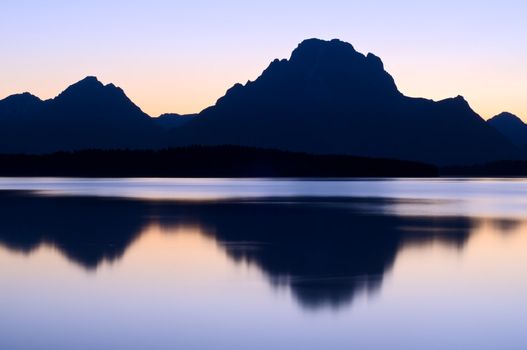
(512, 127)
(328, 98)
(86, 115)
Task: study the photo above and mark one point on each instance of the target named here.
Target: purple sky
(180, 56)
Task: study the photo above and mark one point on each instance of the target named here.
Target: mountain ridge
(327, 98)
(87, 114)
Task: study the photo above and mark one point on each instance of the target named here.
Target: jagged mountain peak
(333, 54)
(88, 82)
(312, 48)
(319, 70)
(329, 98)
(90, 87)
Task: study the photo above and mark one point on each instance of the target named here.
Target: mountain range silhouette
(326, 99)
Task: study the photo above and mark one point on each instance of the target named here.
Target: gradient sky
(181, 56)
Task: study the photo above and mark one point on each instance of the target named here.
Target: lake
(263, 264)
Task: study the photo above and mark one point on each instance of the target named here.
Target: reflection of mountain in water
(326, 251)
(85, 230)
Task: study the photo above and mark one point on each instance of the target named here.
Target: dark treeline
(199, 161)
(493, 169)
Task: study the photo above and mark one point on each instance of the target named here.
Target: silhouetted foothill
(173, 120)
(511, 127)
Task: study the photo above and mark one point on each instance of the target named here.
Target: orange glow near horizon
(191, 89)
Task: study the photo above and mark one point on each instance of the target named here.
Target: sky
(181, 56)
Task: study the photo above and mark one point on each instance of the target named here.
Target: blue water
(263, 264)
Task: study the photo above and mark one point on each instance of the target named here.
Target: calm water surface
(263, 264)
